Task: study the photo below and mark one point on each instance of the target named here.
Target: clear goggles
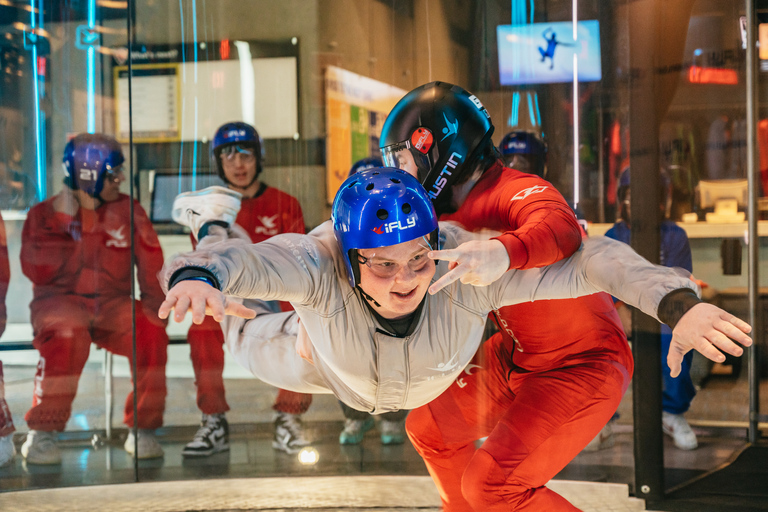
(114, 175)
(386, 268)
(247, 154)
(404, 156)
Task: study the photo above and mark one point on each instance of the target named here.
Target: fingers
(674, 361)
(448, 278)
(723, 343)
(445, 255)
(198, 310)
(166, 307)
(708, 350)
(235, 309)
(733, 331)
(217, 308)
(738, 323)
(181, 307)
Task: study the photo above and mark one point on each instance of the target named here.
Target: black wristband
(675, 304)
(185, 273)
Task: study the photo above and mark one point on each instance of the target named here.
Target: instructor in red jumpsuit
(264, 212)
(545, 385)
(76, 250)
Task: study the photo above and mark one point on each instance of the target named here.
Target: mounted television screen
(166, 187)
(542, 53)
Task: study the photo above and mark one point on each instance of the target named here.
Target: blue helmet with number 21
(380, 207)
(88, 158)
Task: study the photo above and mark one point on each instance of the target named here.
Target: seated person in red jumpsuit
(545, 385)
(76, 250)
(238, 157)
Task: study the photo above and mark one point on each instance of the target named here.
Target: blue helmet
(236, 133)
(380, 207)
(365, 163)
(524, 151)
(87, 159)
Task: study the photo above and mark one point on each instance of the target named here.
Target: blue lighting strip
(195, 46)
(513, 115)
(518, 12)
(184, 79)
(538, 111)
(531, 13)
(194, 152)
(530, 109)
(39, 120)
(194, 34)
(91, 72)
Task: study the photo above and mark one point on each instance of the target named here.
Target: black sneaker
(289, 434)
(212, 437)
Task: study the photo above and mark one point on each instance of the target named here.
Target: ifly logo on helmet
(451, 128)
(517, 144)
(396, 225)
(235, 133)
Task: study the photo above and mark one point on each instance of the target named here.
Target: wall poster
(355, 107)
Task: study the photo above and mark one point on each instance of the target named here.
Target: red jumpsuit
(268, 213)
(6, 421)
(544, 386)
(80, 268)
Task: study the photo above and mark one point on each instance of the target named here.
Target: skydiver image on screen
(552, 43)
(525, 59)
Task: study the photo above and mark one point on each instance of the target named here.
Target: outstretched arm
(287, 267)
(200, 298)
(663, 293)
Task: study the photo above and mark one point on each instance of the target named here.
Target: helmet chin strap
(368, 297)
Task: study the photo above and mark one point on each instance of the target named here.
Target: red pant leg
(114, 332)
(6, 421)
(206, 343)
(291, 402)
(553, 417)
(537, 424)
(62, 337)
(444, 431)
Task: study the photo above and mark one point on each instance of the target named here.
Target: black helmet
(445, 129)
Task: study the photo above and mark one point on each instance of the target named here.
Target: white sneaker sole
(210, 204)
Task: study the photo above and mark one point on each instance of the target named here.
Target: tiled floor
(370, 470)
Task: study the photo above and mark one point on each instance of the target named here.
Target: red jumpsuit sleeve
(48, 248)
(149, 262)
(5, 275)
(543, 228)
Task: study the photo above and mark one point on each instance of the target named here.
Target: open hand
(201, 299)
(709, 330)
(479, 263)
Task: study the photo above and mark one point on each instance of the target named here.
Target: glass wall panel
(153, 101)
(67, 247)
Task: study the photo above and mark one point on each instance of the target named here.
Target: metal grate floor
(348, 493)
